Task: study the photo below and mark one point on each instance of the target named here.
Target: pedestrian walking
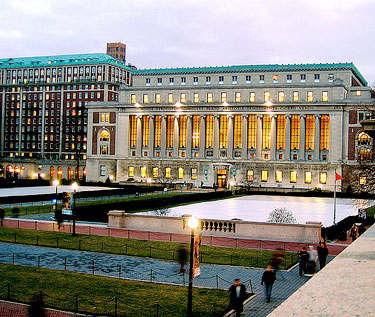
(182, 257)
(322, 253)
(303, 259)
(313, 258)
(354, 232)
(2, 215)
(277, 260)
(268, 278)
(237, 296)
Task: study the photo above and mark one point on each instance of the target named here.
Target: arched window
(59, 172)
(104, 142)
(2, 171)
(364, 146)
(52, 172)
(70, 173)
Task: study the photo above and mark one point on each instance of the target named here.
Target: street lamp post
(192, 223)
(55, 183)
(74, 187)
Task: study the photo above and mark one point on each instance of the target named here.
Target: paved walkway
(212, 276)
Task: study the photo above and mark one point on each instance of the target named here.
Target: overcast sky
(174, 33)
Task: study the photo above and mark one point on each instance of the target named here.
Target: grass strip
(141, 248)
(97, 295)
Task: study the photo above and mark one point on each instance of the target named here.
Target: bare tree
(281, 215)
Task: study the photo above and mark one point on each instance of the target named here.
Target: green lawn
(141, 248)
(95, 294)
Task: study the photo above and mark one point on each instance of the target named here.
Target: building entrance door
(222, 178)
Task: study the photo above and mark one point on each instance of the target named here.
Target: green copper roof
(252, 68)
(60, 60)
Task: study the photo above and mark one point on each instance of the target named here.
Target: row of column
(202, 137)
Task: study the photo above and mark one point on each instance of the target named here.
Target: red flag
(338, 177)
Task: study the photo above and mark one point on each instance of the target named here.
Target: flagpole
(334, 202)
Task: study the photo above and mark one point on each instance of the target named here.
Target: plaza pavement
(145, 269)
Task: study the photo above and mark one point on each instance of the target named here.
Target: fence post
(217, 282)
(57, 242)
(151, 276)
(214, 309)
(76, 304)
(150, 251)
(38, 261)
(116, 306)
(79, 245)
(37, 240)
(157, 310)
(102, 246)
(231, 259)
(119, 271)
(183, 277)
(93, 267)
(251, 286)
(65, 264)
(15, 238)
(126, 249)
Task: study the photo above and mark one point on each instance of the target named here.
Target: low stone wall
(307, 233)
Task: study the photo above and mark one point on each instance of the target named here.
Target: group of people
(308, 258)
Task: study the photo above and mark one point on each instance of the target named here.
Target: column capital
(138, 116)
(302, 116)
(317, 115)
(189, 116)
(203, 116)
(244, 116)
(231, 116)
(259, 116)
(216, 116)
(288, 116)
(151, 116)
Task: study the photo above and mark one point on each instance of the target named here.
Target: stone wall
(307, 233)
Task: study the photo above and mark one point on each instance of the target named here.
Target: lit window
(209, 97)
(131, 171)
(155, 172)
(362, 180)
(293, 177)
(170, 98)
(275, 79)
(237, 131)
(168, 172)
(252, 97)
(358, 93)
(157, 98)
(223, 132)
(145, 130)
(182, 97)
(264, 176)
(281, 96)
(267, 96)
(295, 96)
(252, 132)
(308, 177)
(223, 97)
(143, 171)
(324, 132)
(323, 178)
(104, 117)
(193, 173)
(279, 176)
(196, 97)
(133, 98)
(210, 124)
(145, 98)
(280, 132)
(325, 96)
(180, 173)
(310, 97)
(238, 97)
(250, 175)
(295, 132)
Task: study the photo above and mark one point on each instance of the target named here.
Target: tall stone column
(151, 136)
(259, 136)
(139, 136)
(302, 137)
(216, 136)
(244, 136)
(163, 136)
(273, 137)
(317, 138)
(176, 130)
(188, 136)
(287, 138)
(230, 137)
(202, 137)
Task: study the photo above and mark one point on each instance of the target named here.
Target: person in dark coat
(182, 257)
(2, 215)
(268, 278)
(303, 259)
(237, 296)
(322, 253)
